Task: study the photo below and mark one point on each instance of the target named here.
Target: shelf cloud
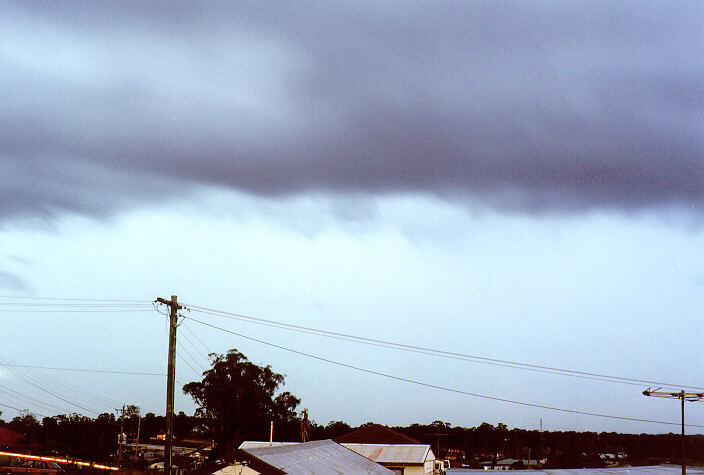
(556, 108)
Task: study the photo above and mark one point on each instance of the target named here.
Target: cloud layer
(530, 107)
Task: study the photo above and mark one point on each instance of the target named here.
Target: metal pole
(684, 459)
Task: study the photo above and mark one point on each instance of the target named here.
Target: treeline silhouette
(561, 449)
(96, 440)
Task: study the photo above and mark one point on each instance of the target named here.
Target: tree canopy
(238, 399)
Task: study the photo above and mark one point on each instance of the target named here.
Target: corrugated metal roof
(394, 453)
(320, 457)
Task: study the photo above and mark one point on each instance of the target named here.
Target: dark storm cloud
(541, 106)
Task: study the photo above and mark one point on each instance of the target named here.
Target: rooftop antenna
(305, 426)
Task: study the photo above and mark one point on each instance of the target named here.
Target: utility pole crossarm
(170, 302)
(678, 395)
(682, 396)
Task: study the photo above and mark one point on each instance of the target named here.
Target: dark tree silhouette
(238, 400)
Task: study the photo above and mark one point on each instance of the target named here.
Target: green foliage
(152, 425)
(332, 430)
(237, 399)
(132, 411)
(28, 426)
(81, 436)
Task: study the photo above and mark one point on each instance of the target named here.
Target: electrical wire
(78, 305)
(435, 386)
(208, 352)
(53, 387)
(419, 350)
(47, 305)
(193, 347)
(56, 388)
(20, 410)
(81, 392)
(440, 353)
(58, 384)
(189, 365)
(80, 406)
(73, 299)
(72, 311)
(180, 345)
(26, 398)
(86, 370)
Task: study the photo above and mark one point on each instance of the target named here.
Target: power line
(193, 347)
(419, 350)
(440, 353)
(86, 370)
(203, 345)
(188, 364)
(180, 345)
(72, 311)
(81, 392)
(20, 410)
(55, 304)
(435, 386)
(73, 299)
(43, 389)
(29, 380)
(24, 397)
(44, 382)
(61, 306)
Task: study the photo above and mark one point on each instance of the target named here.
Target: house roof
(236, 469)
(320, 457)
(10, 438)
(394, 453)
(375, 434)
(257, 444)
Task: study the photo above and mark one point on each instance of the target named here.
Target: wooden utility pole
(682, 396)
(170, 379)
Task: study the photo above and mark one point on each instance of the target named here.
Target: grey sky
(547, 106)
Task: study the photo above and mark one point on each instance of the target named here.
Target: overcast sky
(519, 181)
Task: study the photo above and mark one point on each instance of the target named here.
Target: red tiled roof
(375, 434)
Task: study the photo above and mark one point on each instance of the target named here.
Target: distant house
(375, 434)
(392, 449)
(402, 459)
(320, 457)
